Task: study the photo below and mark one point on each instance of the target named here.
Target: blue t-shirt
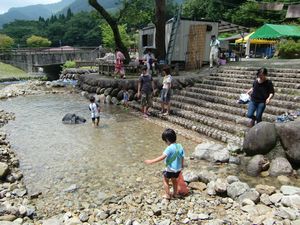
(176, 165)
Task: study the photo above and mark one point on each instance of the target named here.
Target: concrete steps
(279, 96)
(194, 125)
(210, 106)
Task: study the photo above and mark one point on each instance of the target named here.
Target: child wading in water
(173, 157)
(95, 111)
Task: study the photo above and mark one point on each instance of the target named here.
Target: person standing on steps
(261, 94)
(165, 96)
(214, 51)
(145, 89)
(149, 60)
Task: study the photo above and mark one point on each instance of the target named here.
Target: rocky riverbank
(215, 198)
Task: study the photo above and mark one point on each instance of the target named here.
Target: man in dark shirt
(261, 94)
(145, 89)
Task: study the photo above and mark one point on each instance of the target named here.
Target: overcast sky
(6, 4)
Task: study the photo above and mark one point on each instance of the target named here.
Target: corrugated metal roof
(274, 31)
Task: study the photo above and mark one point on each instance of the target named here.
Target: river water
(97, 161)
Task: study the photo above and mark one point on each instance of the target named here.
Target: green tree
(108, 37)
(6, 41)
(37, 41)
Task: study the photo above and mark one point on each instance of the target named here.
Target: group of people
(148, 60)
(260, 94)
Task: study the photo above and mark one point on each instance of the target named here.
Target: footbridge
(30, 59)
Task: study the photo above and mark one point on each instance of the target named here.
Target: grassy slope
(8, 71)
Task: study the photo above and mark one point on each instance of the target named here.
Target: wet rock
(197, 186)
(290, 190)
(276, 198)
(287, 213)
(289, 136)
(260, 139)
(165, 222)
(265, 189)
(280, 166)
(292, 201)
(3, 170)
(190, 176)
(211, 188)
(84, 217)
(72, 188)
(251, 194)
(7, 218)
(234, 160)
(265, 199)
(236, 189)
(206, 176)
(108, 99)
(221, 185)
(71, 118)
(231, 179)
(107, 91)
(205, 150)
(256, 165)
(114, 101)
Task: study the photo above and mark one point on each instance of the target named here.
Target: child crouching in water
(173, 157)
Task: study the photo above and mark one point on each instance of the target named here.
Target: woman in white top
(166, 92)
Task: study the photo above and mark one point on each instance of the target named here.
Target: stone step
(225, 101)
(235, 120)
(253, 76)
(279, 96)
(182, 111)
(254, 69)
(247, 86)
(250, 81)
(196, 126)
(235, 96)
(253, 73)
(237, 110)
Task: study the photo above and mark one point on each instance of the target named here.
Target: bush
(69, 64)
(5, 41)
(37, 41)
(289, 49)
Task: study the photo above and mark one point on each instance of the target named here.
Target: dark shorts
(95, 118)
(171, 174)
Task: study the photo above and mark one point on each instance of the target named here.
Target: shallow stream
(99, 161)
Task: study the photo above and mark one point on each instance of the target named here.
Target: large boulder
(280, 166)
(260, 139)
(289, 136)
(212, 152)
(256, 165)
(71, 118)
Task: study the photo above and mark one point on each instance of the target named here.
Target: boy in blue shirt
(173, 157)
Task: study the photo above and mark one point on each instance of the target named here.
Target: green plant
(37, 41)
(69, 64)
(289, 49)
(5, 41)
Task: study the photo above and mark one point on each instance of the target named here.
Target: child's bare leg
(97, 122)
(174, 183)
(166, 186)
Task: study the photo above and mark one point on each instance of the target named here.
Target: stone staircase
(210, 106)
